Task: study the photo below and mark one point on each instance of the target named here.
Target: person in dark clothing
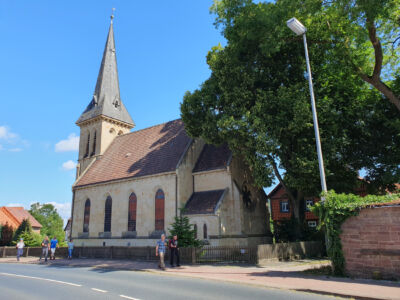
(174, 251)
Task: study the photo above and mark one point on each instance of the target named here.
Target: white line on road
(98, 290)
(39, 278)
(126, 297)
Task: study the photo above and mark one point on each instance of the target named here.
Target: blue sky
(50, 55)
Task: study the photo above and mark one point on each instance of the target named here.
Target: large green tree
(52, 223)
(257, 99)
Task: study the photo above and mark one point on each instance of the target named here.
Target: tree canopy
(257, 97)
(52, 223)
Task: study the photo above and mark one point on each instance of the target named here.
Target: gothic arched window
(159, 210)
(132, 212)
(107, 214)
(94, 144)
(195, 231)
(205, 231)
(86, 216)
(87, 146)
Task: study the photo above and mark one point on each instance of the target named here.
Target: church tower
(106, 116)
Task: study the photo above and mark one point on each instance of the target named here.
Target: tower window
(205, 231)
(195, 231)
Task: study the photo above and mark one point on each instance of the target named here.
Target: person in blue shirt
(160, 251)
(53, 246)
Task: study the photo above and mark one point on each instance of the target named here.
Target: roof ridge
(119, 136)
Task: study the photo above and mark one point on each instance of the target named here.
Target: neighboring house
(15, 215)
(281, 210)
(67, 229)
(131, 185)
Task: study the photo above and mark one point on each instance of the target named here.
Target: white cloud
(69, 165)
(1, 147)
(15, 205)
(63, 209)
(70, 144)
(6, 134)
(15, 149)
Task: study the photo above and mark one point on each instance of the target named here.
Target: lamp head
(296, 26)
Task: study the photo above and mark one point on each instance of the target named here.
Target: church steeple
(106, 116)
(106, 99)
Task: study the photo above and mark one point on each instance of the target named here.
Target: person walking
(160, 251)
(20, 248)
(53, 246)
(45, 248)
(174, 251)
(70, 248)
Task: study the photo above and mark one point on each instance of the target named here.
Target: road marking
(40, 278)
(98, 290)
(131, 298)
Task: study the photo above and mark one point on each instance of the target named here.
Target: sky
(50, 56)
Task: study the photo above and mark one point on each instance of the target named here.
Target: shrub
(185, 231)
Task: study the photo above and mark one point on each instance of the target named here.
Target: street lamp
(299, 29)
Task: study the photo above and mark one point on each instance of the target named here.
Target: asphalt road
(25, 281)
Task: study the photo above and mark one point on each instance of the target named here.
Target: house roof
(150, 151)
(15, 215)
(213, 158)
(106, 99)
(204, 202)
(276, 189)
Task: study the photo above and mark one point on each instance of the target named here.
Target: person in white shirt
(20, 248)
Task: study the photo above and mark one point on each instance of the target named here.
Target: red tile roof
(15, 215)
(203, 202)
(213, 158)
(150, 151)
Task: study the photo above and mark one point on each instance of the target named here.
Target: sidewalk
(281, 275)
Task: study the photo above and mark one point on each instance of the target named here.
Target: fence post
(111, 252)
(27, 252)
(193, 255)
(4, 251)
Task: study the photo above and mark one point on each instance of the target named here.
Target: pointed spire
(106, 98)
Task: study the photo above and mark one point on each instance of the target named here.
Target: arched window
(120, 132)
(205, 231)
(159, 212)
(87, 146)
(86, 216)
(132, 212)
(195, 231)
(94, 144)
(107, 214)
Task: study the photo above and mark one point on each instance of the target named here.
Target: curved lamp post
(300, 29)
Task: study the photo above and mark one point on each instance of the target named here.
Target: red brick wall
(371, 243)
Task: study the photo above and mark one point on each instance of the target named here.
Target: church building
(131, 185)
